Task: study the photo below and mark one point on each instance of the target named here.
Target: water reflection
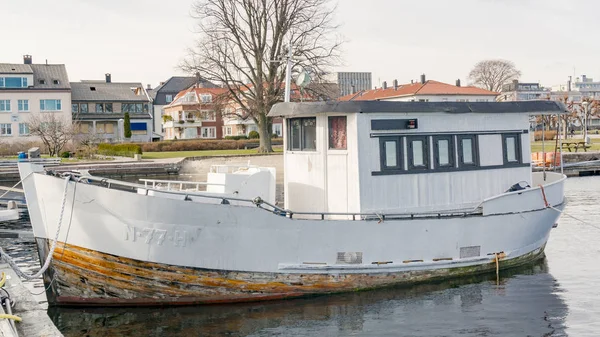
(524, 303)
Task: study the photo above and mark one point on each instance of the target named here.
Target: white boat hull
(177, 252)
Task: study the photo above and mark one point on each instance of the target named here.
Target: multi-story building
(98, 108)
(194, 114)
(353, 82)
(517, 91)
(424, 91)
(166, 92)
(30, 89)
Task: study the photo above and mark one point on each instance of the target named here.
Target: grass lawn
(178, 154)
(550, 144)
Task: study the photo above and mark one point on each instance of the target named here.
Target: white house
(28, 89)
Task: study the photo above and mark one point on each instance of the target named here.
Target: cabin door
(337, 183)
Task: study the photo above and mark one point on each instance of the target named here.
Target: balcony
(183, 123)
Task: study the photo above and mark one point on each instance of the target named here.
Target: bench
(575, 146)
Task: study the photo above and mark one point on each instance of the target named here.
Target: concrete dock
(35, 318)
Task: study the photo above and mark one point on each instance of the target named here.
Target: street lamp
(585, 113)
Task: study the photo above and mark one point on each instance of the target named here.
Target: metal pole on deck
(560, 143)
(543, 148)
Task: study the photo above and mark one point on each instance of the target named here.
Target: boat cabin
(404, 157)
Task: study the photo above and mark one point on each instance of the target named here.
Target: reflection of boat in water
(376, 194)
(525, 303)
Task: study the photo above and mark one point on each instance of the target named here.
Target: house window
(139, 128)
(84, 128)
(75, 108)
(390, 153)
(302, 134)
(443, 147)
(4, 105)
(13, 82)
(169, 98)
(511, 149)
(277, 129)
(23, 129)
(208, 132)
(84, 108)
(228, 131)
(106, 128)
(418, 153)
(206, 98)
(23, 105)
(134, 107)
(108, 107)
(337, 132)
(50, 105)
(467, 150)
(206, 115)
(99, 107)
(42, 81)
(5, 129)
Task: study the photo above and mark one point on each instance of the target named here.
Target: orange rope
(544, 195)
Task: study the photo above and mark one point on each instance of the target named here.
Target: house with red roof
(424, 91)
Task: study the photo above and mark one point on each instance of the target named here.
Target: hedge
(548, 135)
(122, 150)
(201, 145)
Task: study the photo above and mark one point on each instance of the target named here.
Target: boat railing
(171, 185)
(110, 183)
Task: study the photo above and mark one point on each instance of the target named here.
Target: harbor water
(558, 296)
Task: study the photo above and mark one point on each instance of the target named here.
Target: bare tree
(492, 74)
(243, 45)
(54, 131)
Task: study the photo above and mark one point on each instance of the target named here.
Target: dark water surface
(559, 296)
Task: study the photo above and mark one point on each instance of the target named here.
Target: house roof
(313, 108)
(175, 84)
(415, 89)
(100, 91)
(50, 73)
(178, 100)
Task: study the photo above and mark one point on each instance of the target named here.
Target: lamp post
(585, 113)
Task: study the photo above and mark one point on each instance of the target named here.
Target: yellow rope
(3, 280)
(13, 317)
(497, 270)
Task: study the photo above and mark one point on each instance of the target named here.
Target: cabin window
(337, 132)
(467, 150)
(443, 151)
(418, 153)
(302, 134)
(511, 148)
(390, 153)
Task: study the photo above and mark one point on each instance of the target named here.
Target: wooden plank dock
(35, 321)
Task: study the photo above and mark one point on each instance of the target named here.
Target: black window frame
(451, 153)
(81, 109)
(75, 108)
(399, 154)
(518, 149)
(289, 134)
(474, 151)
(426, 153)
(101, 106)
(106, 108)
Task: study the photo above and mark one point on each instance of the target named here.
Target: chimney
(161, 83)
(422, 78)
(412, 81)
(27, 59)
(108, 79)
(384, 85)
(395, 84)
(458, 82)
(148, 87)
(583, 78)
(569, 84)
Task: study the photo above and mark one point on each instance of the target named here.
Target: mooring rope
(14, 265)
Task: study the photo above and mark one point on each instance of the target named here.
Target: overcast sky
(144, 40)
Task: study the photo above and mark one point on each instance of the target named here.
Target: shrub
(126, 126)
(236, 137)
(65, 154)
(548, 135)
(274, 135)
(253, 135)
(123, 150)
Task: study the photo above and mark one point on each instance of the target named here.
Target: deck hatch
(470, 251)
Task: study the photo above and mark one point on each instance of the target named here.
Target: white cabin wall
(441, 190)
(490, 158)
(526, 148)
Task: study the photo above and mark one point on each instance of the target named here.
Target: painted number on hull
(179, 238)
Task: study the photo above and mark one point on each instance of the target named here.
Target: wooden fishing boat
(376, 194)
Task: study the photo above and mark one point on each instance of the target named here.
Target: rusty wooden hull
(83, 277)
